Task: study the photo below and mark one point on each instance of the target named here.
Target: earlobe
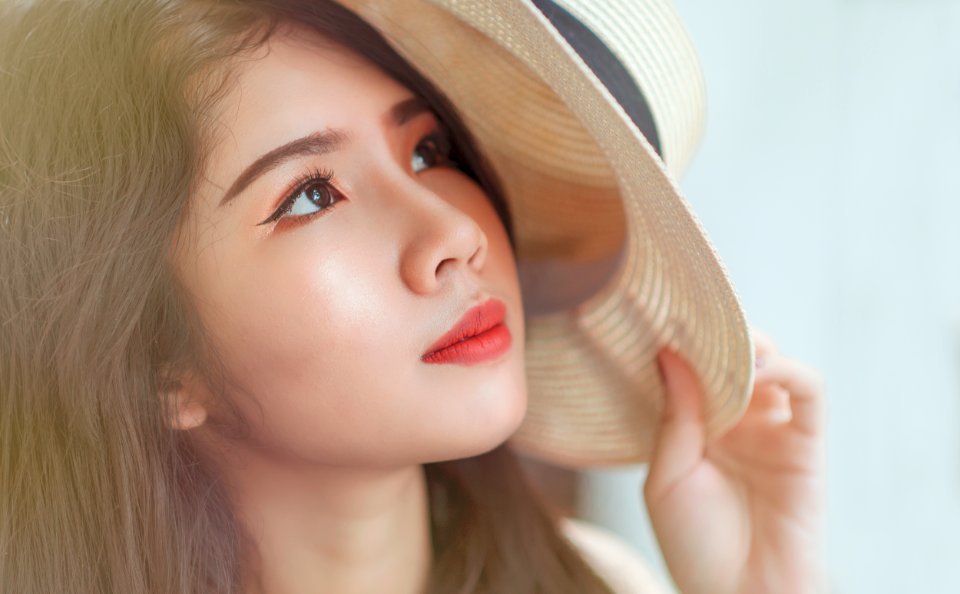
(186, 413)
(184, 409)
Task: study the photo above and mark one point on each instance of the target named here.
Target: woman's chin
(479, 437)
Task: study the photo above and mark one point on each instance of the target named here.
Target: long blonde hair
(102, 113)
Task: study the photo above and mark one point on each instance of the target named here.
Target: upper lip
(478, 319)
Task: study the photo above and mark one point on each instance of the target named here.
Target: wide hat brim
(613, 263)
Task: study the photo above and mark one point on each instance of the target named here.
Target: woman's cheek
(327, 311)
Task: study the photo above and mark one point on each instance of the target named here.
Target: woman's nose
(441, 241)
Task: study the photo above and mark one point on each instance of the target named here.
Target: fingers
(805, 387)
(787, 391)
(769, 403)
(679, 444)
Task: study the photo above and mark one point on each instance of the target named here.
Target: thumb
(680, 441)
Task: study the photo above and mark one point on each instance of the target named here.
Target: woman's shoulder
(618, 563)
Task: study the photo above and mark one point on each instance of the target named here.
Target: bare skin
(321, 327)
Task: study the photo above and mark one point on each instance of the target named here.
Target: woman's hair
(103, 112)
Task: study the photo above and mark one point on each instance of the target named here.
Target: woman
(237, 237)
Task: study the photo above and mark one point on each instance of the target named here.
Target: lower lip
(476, 349)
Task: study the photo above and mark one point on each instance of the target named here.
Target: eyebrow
(318, 143)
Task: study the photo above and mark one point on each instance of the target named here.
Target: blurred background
(829, 181)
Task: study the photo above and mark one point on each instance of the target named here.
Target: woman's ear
(182, 396)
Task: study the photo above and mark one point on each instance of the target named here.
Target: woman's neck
(330, 529)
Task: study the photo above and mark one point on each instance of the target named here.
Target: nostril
(478, 257)
(440, 266)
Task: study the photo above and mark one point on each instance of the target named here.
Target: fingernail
(759, 362)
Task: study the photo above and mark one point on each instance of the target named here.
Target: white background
(829, 181)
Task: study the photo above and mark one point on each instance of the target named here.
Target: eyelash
(322, 177)
(317, 177)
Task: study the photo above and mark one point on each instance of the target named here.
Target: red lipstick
(479, 336)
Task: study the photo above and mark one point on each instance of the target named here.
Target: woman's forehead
(304, 81)
(299, 59)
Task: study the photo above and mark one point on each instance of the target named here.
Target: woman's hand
(741, 514)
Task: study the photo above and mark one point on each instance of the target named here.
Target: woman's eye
(313, 198)
(432, 151)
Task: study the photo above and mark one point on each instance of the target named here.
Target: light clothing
(618, 563)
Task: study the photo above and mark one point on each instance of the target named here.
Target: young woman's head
(322, 295)
(233, 229)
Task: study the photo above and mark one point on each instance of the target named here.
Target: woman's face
(323, 312)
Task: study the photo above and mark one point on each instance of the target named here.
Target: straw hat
(586, 110)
